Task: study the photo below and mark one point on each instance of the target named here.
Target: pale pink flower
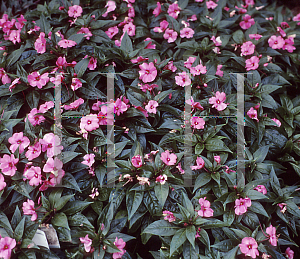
(192, 18)
(277, 122)
(276, 42)
(76, 83)
(168, 158)
(169, 216)
(130, 28)
(170, 66)
(297, 18)
(7, 244)
(199, 164)
(40, 43)
(35, 79)
(247, 22)
(157, 9)
(51, 144)
(53, 166)
(163, 26)
(120, 107)
(249, 247)
(187, 33)
(61, 62)
(112, 31)
(282, 207)
(87, 243)
(33, 151)
(92, 63)
(66, 43)
(131, 12)
(217, 159)
(56, 178)
(255, 36)
(197, 122)
(4, 77)
(75, 11)
(174, 10)
(89, 160)
(86, 31)
(271, 231)
(111, 6)
(183, 79)
(195, 105)
(249, 2)
(161, 179)
(289, 253)
(151, 106)
(241, 205)
(2, 182)
(252, 63)
(14, 36)
(34, 118)
(148, 72)
(120, 244)
(34, 175)
(252, 113)
(28, 209)
(197, 70)
(18, 140)
(150, 45)
(137, 161)
(180, 168)
(89, 122)
(143, 180)
(218, 101)
(170, 35)
(247, 48)
(205, 210)
(211, 4)
(188, 64)
(199, 1)
(219, 71)
(46, 106)
(288, 44)
(93, 194)
(8, 164)
(261, 188)
(74, 105)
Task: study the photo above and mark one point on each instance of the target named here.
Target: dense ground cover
(159, 80)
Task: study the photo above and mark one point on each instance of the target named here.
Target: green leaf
(126, 44)
(60, 220)
(161, 228)
(216, 177)
(44, 24)
(190, 234)
(232, 253)
(33, 98)
(201, 180)
(14, 56)
(225, 245)
(255, 195)
(177, 240)
(161, 193)
(45, 202)
(54, 197)
(258, 208)
(79, 220)
(18, 233)
(215, 145)
(4, 223)
(16, 218)
(77, 38)
(204, 238)
(228, 216)
(68, 156)
(133, 201)
(187, 204)
(73, 207)
(69, 181)
(61, 202)
(199, 148)
(81, 67)
(238, 37)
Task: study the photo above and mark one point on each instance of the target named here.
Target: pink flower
(163, 25)
(112, 31)
(89, 159)
(35, 79)
(219, 71)
(170, 35)
(218, 101)
(66, 43)
(120, 244)
(252, 63)
(111, 6)
(28, 209)
(86, 31)
(249, 247)
(241, 205)
(92, 63)
(288, 44)
(205, 211)
(255, 36)
(120, 107)
(289, 253)
(174, 10)
(199, 164)
(188, 64)
(7, 164)
(34, 175)
(4, 77)
(195, 105)
(277, 122)
(75, 11)
(183, 79)
(247, 22)
(161, 179)
(53, 166)
(74, 105)
(14, 36)
(148, 72)
(87, 243)
(46, 106)
(217, 159)
(211, 4)
(14, 83)
(131, 12)
(180, 168)
(56, 178)
(18, 140)
(169, 216)
(2, 182)
(170, 66)
(130, 28)
(297, 18)
(137, 161)
(76, 83)
(157, 9)
(151, 106)
(34, 118)
(197, 123)
(247, 48)
(89, 122)
(61, 63)
(168, 158)
(7, 244)
(187, 33)
(150, 45)
(197, 70)
(282, 207)
(252, 113)
(276, 42)
(40, 44)
(261, 188)
(51, 144)
(143, 180)
(271, 231)
(192, 18)
(33, 151)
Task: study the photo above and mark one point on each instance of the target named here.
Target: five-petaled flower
(87, 242)
(75, 11)
(249, 247)
(218, 101)
(7, 244)
(168, 158)
(151, 106)
(148, 72)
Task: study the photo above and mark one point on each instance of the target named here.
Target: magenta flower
(218, 101)
(74, 105)
(183, 79)
(34, 175)
(7, 164)
(157, 9)
(249, 247)
(247, 22)
(297, 18)
(195, 105)
(211, 4)
(111, 6)
(277, 122)
(205, 210)
(33, 151)
(148, 72)
(199, 164)
(51, 144)
(261, 188)
(252, 113)
(137, 161)
(168, 158)
(241, 205)
(197, 70)
(288, 44)
(187, 33)
(75, 11)
(130, 28)
(35, 79)
(89, 122)
(92, 63)
(197, 123)
(217, 159)
(120, 244)
(271, 231)
(40, 43)
(4, 77)
(289, 253)
(89, 159)
(120, 107)
(85, 31)
(66, 43)
(150, 45)
(2, 182)
(219, 71)
(87, 243)
(18, 140)
(46, 106)
(170, 35)
(255, 36)
(151, 106)
(174, 10)
(7, 244)
(112, 31)
(34, 118)
(169, 216)
(188, 64)
(61, 62)
(28, 209)
(247, 48)
(76, 83)
(163, 26)
(276, 42)
(14, 36)
(161, 179)
(252, 63)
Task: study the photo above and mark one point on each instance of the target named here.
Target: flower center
(250, 246)
(19, 141)
(5, 247)
(89, 122)
(36, 175)
(168, 159)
